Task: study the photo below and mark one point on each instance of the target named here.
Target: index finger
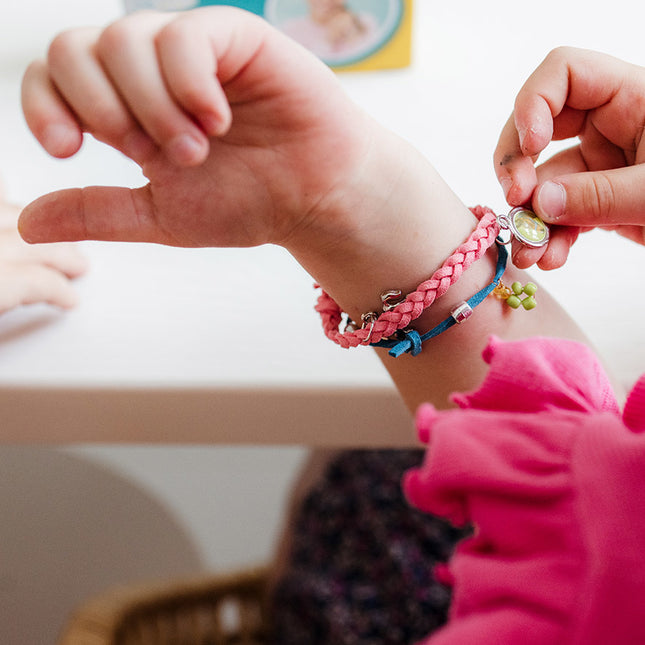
(552, 104)
(515, 172)
(579, 79)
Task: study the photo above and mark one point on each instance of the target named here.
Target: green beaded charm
(529, 303)
(530, 289)
(512, 295)
(513, 301)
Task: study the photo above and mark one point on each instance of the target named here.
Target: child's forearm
(279, 155)
(412, 222)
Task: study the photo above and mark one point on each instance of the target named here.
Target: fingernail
(186, 149)
(551, 200)
(214, 125)
(20, 224)
(521, 133)
(60, 140)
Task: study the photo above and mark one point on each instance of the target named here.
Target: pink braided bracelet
(400, 316)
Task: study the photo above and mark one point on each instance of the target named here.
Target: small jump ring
(369, 335)
(370, 319)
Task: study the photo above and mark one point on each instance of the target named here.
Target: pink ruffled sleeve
(541, 462)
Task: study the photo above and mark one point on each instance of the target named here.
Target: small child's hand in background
(32, 274)
(596, 183)
(245, 137)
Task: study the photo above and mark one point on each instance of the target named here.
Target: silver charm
(463, 311)
(391, 299)
(525, 226)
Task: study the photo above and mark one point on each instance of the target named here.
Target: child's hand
(245, 137)
(599, 182)
(31, 274)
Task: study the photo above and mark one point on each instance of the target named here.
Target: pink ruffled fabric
(552, 476)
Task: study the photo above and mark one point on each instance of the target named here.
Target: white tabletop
(195, 345)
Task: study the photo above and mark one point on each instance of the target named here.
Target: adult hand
(600, 182)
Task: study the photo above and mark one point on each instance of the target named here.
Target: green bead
(529, 303)
(516, 288)
(530, 289)
(513, 301)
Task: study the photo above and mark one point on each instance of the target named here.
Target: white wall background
(225, 499)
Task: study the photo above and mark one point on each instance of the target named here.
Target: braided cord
(423, 297)
(411, 340)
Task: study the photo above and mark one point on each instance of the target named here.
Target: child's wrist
(392, 226)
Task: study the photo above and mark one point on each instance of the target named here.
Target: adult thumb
(94, 213)
(600, 198)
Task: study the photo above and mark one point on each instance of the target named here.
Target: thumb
(600, 198)
(94, 213)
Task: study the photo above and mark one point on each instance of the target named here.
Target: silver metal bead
(463, 311)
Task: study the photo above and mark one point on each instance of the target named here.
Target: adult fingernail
(551, 200)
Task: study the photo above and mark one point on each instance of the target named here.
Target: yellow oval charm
(526, 227)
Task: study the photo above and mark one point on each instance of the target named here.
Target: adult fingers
(515, 172)
(553, 104)
(578, 78)
(600, 198)
(565, 162)
(94, 213)
(553, 256)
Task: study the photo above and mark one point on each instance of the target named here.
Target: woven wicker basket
(220, 610)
